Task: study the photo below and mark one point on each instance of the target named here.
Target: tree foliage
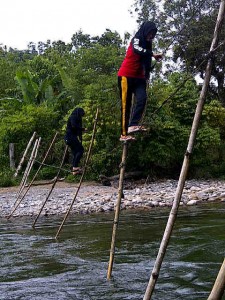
(186, 29)
(41, 85)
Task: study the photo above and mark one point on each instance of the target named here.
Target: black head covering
(144, 30)
(74, 124)
(141, 34)
(78, 112)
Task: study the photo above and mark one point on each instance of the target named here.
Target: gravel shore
(94, 197)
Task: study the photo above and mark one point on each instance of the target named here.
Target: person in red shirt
(133, 76)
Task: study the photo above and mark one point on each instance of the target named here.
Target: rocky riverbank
(93, 197)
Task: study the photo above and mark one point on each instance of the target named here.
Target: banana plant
(34, 91)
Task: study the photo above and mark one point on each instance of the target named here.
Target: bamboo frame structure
(117, 212)
(53, 185)
(28, 168)
(184, 170)
(26, 174)
(41, 165)
(24, 155)
(219, 285)
(82, 176)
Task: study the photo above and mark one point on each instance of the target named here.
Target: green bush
(7, 179)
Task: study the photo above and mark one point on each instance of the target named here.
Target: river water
(36, 266)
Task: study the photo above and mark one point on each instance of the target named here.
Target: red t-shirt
(131, 66)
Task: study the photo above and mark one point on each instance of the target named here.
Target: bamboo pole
(82, 176)
(34, 158)
(117, 212)
(26, 174)
(28, 168)
(53, 185)
(29, 165)
(184, 170)
(219, 285)
(24, 155)
(41, 164)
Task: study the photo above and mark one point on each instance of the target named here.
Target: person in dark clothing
(133, 77)
(73, 138)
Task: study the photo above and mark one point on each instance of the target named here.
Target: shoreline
(96, 198)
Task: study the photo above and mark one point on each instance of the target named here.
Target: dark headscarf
(145, 29)
(78, 112)
(141, 34)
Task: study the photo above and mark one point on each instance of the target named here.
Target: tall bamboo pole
(24, 155)
(219, 285)
(184, 170)
(53, 185)
(82, 176)
(117, 211)
(41, 164)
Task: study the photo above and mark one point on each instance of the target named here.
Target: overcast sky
(24, 21)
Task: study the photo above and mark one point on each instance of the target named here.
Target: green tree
(8, 68)
(188, 27)
(19, 126)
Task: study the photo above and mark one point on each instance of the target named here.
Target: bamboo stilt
(24, 155)
(116, 217)
(53, 185)
(184, 170)
(219, 285)
(82, 176)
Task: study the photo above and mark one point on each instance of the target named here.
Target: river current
(36, 266)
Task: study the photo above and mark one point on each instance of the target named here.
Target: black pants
(128, 87)
(76, 148)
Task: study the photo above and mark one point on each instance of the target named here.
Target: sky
(24, 21)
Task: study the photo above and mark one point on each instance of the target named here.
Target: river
(36, 266)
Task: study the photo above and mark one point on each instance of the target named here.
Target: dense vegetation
(40, 86)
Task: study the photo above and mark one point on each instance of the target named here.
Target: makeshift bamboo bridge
(32, 159)
(219, 286)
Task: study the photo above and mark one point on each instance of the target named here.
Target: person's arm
(139, 49)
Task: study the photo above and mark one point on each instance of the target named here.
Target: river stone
(98, 198)
(192, 202)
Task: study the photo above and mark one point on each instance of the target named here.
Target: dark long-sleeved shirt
(74, 125)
